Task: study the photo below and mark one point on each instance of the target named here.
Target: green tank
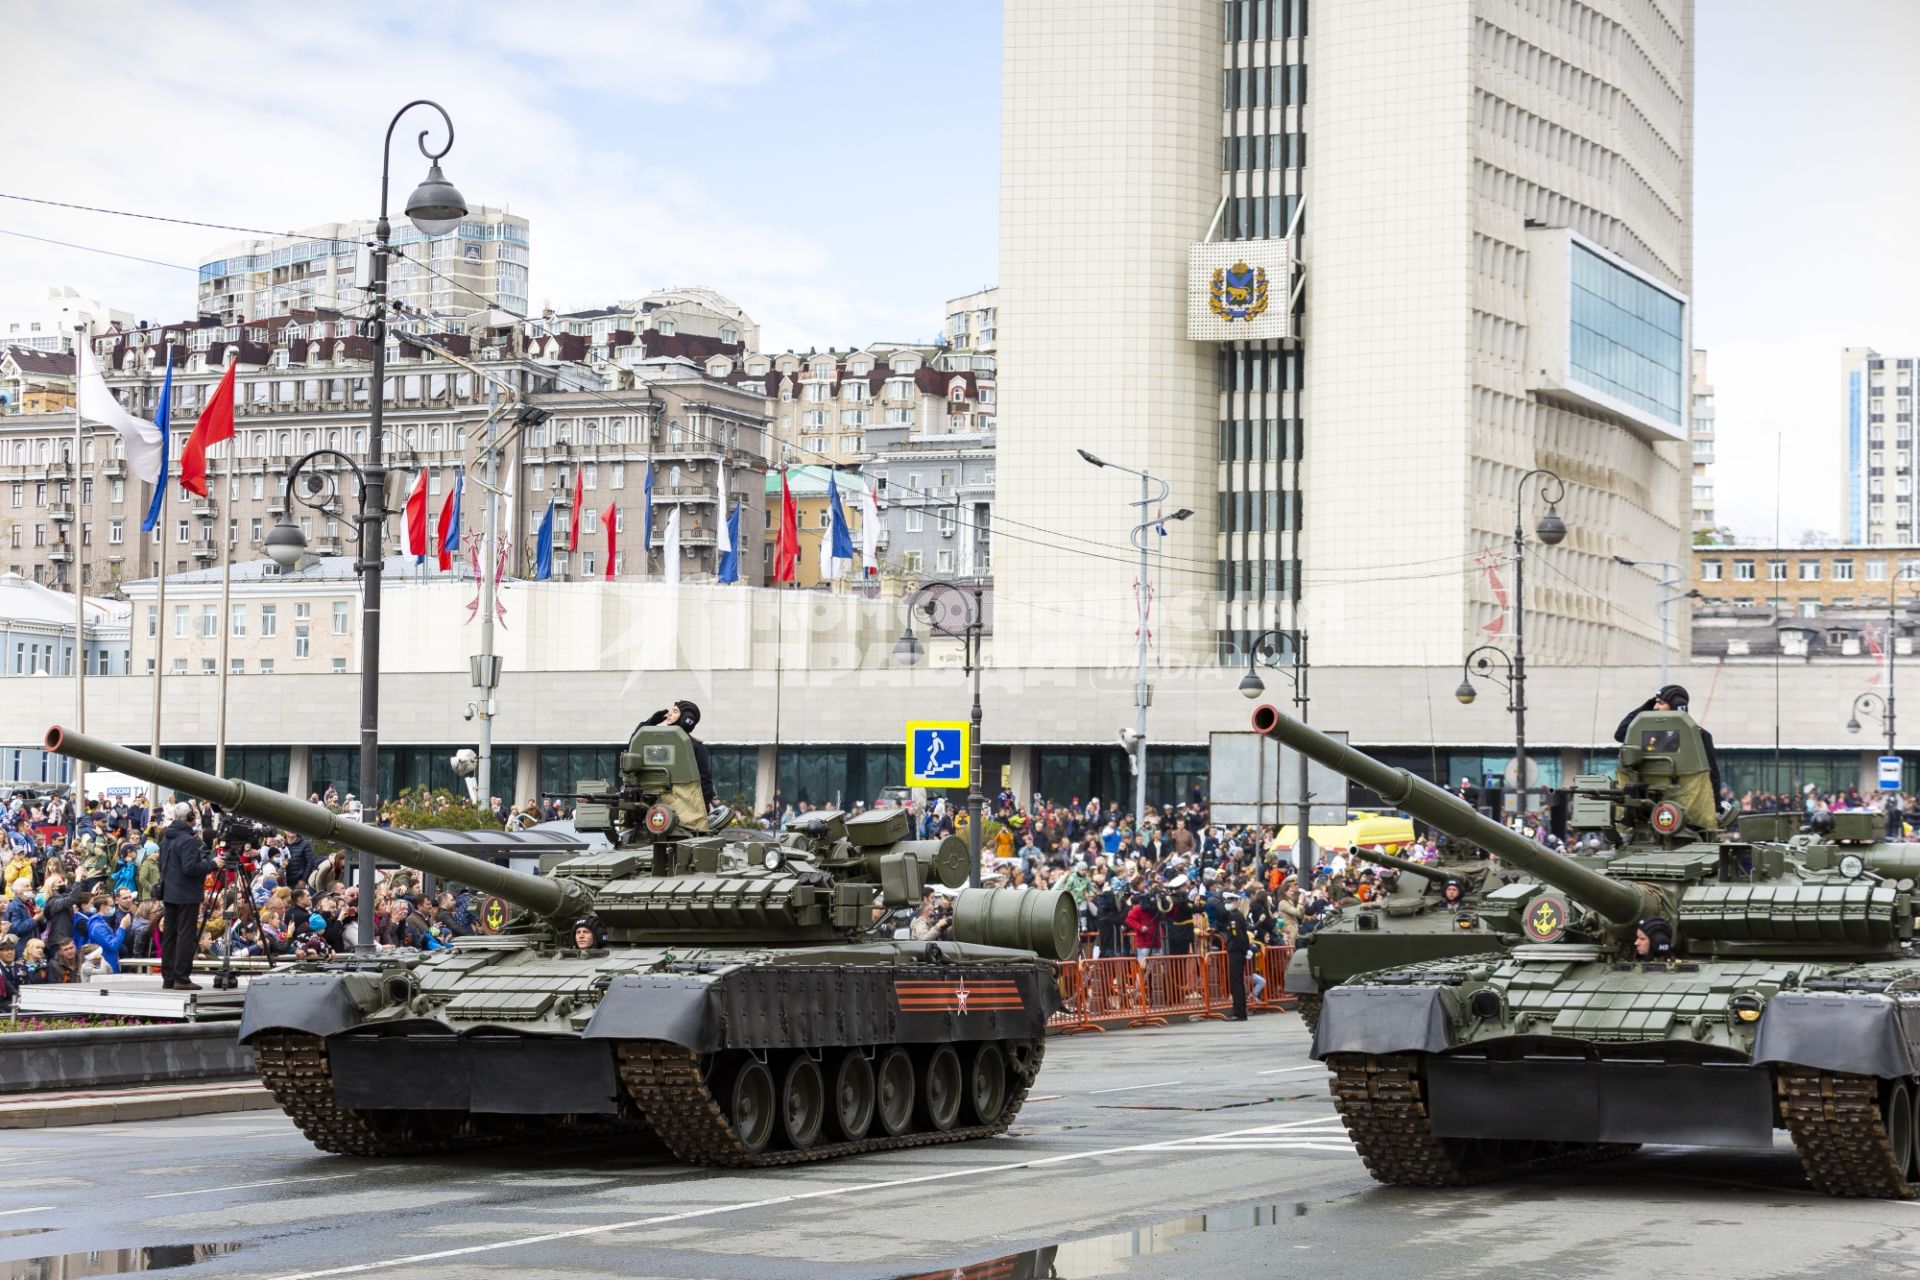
(746, 999)
(1418, 921)
(1790, 998)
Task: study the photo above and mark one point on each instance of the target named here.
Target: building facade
(813, 519)
(1495, 202)
(33, 380)
(1805, 582)
(1876, 419)
(480, 263)
(973, 322)
(51, 327)
(1701, 424)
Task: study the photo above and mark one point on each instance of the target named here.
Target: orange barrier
(1110, 993)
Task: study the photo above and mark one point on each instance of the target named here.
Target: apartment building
(1700, 420)
(1876, 419)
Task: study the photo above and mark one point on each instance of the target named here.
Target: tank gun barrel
(1619, 902)
(554, 898)
(1421, 869)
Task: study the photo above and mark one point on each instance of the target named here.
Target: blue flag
(160, 415)
(646, 516)
(543, 547)
(730, 562)
(842, 539)
(450, 526)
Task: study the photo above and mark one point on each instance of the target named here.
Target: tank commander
(685, 715)
(1674, 698)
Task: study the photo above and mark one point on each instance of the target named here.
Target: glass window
(237, 622)
(339, 664)
(1843, 571)
(1743, 571)
(266, 666)
(340, 618)
(302, 645)
(1876, 571)
(209, 620)
(269, 619)
(1710, 570)
(179, 620)
(1628, 337)
(1809, 571)
(1776, 571)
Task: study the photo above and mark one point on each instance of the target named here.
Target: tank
(745, 998)
(1415, 922)
(1788, 1001)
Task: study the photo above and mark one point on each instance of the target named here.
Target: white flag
(870, 529)
(826, 555)
(145, 448)
(724, 543)
(673, 544)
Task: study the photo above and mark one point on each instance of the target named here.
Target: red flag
(215, 425)
(786, 550)
(573, 538)
(611, 518)
(417, 518)
(449, 516)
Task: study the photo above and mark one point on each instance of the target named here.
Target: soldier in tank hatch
(1674, 698)
(685, 715)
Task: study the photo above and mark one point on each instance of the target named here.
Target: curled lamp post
(435, 208)
(956, 612)
(1269, 649)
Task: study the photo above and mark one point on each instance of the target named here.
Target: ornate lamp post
(954, 611)
(1269, 648)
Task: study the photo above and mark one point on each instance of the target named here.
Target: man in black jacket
(686, 715)
(185, 865)
(1674, 698)
(299, 858)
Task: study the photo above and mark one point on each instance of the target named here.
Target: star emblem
(960, 997)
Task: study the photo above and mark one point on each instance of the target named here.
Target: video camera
(237, 832)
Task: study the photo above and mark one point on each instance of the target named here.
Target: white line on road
(824, 1193)
(39, 1208)
(1311, 1066)
(248, 1186)
(1129, 1088)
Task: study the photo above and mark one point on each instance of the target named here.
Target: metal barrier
(1107, 994)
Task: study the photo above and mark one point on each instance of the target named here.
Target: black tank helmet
(1675, 696)
(689, 714)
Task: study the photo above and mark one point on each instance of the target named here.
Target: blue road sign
(937, 753)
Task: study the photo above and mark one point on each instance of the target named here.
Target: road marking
(39, 1208)
(1129, 1088)
(1311, 1066)
(248, 1186)
(824, 1193)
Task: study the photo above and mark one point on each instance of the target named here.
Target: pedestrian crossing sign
(937, 753)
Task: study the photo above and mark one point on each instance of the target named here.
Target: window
(236, 666)
(917, 520)
(537, 479)
(180, 621)
(1710, 570)
(179, 666)
(269, 619)
(302, 645)
(914, 561)
(617, 476)
(209, 620)
(1776, 571)
(208, 667)
(1843, 571)
(153, 621)
(1743, 571)
(1809, 572)
(116, 532)
(237, 621)
(340, 619)
(339, 664)
(266, 666)
(1876, 571)
(943, 562)
(182, 535)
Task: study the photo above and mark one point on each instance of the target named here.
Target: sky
(831, 165)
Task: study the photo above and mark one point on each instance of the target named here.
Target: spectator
(184, 866)
(65, 966)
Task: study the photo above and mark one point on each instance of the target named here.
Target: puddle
(1103, 1255)
(111, 1262)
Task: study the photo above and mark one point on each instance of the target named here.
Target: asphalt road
(1208, 1150)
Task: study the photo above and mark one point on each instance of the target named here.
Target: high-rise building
(1343, 276)
(1876, 502)
(973, 321)
(1702, 422)
(478, 263)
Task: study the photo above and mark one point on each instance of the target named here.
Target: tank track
(1837, 1127)
(665, 1080)
(1381, 1101)
(296, 1069)
(1308, 1008)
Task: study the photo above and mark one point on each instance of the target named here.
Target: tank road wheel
(1855, 1134)
(1913, 1161)
(1898, 1110)
(750, 1107)
(941, 1090)
(803, 1102)
(853, 1095)
(895, 1078)
(987, 1083)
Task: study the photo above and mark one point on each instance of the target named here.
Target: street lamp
(955, 611)
(1268, 648)
(1879, 708)
(1551, 530)
(1673, 579)
(435, 208)
(1480, 662)
(1142, 692)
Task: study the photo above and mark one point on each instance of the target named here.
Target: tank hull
(423, 1053)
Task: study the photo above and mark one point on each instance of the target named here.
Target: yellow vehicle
(1368, 828)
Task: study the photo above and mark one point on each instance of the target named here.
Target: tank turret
(1620, 903)
(749, 997)
(1435, 875)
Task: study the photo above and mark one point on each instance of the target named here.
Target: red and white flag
(417, 518)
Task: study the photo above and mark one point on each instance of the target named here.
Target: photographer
(185, 865)
(934, 921)
(1143, 919)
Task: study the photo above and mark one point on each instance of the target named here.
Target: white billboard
(1237, 290)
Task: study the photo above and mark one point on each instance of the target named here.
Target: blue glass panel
(1628, 338)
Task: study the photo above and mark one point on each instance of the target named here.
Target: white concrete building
(1876, 424)
(50, 328)
(1492, 200)
(1701, 420)
(485, 257)
(973, 321)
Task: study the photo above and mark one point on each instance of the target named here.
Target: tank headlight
(1852, 865)
(1464, 922)
(1485, 1003)
(1746, 1008)
(773, 860)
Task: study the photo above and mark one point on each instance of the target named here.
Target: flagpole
(160, 602)
(226, 612)
(79, 797)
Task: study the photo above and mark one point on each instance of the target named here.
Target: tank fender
(319, 1004)
(1376, 1020)
(1863, 1033)
(678, 1008)
(1298, 977)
